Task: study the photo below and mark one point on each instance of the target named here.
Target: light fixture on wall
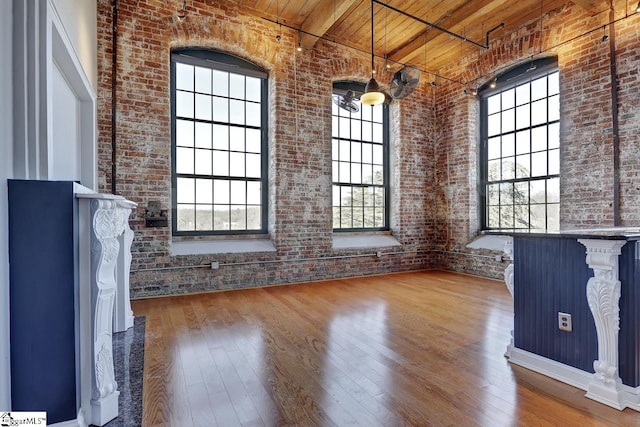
(183, 12)
(493, 83)
(372, 94)
(638, 7)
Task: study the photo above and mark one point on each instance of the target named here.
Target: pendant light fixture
(372, 94)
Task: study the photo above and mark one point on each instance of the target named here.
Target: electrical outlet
(215, 265)
(564, 322)
(379, 254)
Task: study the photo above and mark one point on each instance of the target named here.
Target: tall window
(360, 164)
(219, 140)
(521, 150)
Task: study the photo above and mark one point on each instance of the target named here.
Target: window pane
(522, 142)
(238, 193)
(345, 129)
(184, 77)
(554, 108)
(539, 164)
(220, 137)
(236, 111)
(493, 104)
(508, 168)
(236, 164)
(508, 99)
(553, 216)
(253, 114)
(493, 148)
(253, 89)
(203, 107)
(494, 170)
(377, 114)
(236, 86)
(508, 120)
(220, 163)
(523, 94)
(252, 140)
(220, 83)
(185, 190)
(553, 190)
(356, 173)
(184, 160)
(253, 193)
(493, 125)
(554, 83)
(184, 104)
(203, 135)
(537, 191)
(377, 132)
(253, 165)
(539, 138)
(221, 217)
(539, 88)
(356, 152)
(184, 133)
(203, 162)
(203, 80)
(186, 217)
(539, 112)
(204, 217)
(554, 135)
(508, 145)
(204, 191)
(523, 116)
(356, 129)
(221, 190)
(366, 132)
(522, 166)
(378, 176)
(220, 109)
(254, 217)
(345, 151)
(554, 162)
(236, 138)
(377, 154)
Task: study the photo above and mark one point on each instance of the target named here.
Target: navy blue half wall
(43, 288)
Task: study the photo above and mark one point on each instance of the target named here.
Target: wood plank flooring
(411, 349)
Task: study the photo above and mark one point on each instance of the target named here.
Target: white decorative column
(107, 223)
(504, 244)
(123, 316)
(603, 295)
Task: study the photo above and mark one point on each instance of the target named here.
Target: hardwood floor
(418, 349)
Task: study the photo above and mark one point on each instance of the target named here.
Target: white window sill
(222, 246)
(363, 241)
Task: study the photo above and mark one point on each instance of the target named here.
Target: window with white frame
(359, 164)
(219, 141)
(521, 150)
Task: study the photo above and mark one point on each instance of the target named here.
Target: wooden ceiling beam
(321, 19)
(456, 18)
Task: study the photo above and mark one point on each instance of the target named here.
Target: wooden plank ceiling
(403, 39)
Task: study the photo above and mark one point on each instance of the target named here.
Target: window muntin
(521, 149)
(360, 168)
(219, 146)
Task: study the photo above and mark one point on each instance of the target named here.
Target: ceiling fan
(404, 82)
(346, 102)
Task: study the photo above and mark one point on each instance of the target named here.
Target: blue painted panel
(629, 339)
(550, 277)
(42, 297)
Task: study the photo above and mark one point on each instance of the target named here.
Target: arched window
(360, 165)
(219, 133)
(520, 149)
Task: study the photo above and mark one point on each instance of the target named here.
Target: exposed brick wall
(299, 149)
(434, 137)
(587, 180)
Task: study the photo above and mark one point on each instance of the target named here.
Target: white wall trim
(224, 246)
(65, 57)
(570, 375)
(363, 241)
